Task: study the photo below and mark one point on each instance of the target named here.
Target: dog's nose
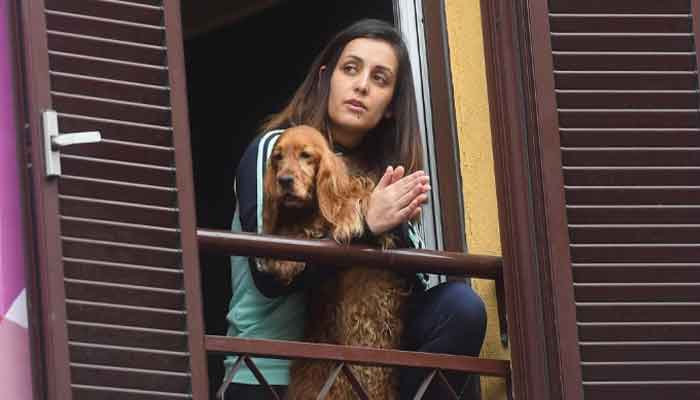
(285, 181)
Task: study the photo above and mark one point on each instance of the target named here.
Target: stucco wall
(476, 157)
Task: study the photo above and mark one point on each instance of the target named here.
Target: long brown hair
(395, 140)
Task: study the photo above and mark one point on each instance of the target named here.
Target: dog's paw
(285, 271)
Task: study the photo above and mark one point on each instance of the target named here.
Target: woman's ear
(321, 71)
(270, 200)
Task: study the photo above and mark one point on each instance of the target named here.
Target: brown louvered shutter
(116, 248)
(626, 80)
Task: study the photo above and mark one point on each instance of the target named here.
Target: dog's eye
(276, 157)
(304, 155)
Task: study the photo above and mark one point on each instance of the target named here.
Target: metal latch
(54, 141)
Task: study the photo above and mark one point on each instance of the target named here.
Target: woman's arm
(249, 175)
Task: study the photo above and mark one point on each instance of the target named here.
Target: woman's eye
(350, 68)
(381, 79)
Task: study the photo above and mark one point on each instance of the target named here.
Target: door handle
(54, 141)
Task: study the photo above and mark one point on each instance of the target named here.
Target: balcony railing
(330, 254)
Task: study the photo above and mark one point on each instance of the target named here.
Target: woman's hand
(396, 199)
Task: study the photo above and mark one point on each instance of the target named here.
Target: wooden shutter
(115, 233)
(626, 86)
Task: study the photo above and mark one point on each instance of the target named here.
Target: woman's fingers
(412, 194)
(398, 173)
(387, 179)
(413, 208)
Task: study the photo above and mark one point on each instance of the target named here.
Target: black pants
(449, 318)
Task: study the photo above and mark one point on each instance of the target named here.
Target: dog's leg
(369, 313)
(284, 270)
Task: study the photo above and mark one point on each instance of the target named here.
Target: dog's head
(304, 174)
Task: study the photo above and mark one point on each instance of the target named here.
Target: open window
(244, 61)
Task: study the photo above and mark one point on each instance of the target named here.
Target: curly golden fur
(310, 194)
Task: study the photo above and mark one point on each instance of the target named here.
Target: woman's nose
(362, 84)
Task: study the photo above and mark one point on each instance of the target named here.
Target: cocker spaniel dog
(310, 194)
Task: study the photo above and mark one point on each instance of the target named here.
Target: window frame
(428, 42)
(529, 182)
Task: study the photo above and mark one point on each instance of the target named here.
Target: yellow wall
(476, 156)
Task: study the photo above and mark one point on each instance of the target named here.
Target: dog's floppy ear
(270, 199)
(338, 200)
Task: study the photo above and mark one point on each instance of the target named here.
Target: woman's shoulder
(261, 144)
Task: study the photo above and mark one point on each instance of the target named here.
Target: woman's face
(362, 86)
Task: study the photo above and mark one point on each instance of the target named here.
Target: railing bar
(328, 253)
(330, 381)
(283, 349)
(229, 377)
(447, 385)
(424, 385)
(355, 383)
(259, 376)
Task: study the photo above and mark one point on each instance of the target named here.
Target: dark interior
(238, 75)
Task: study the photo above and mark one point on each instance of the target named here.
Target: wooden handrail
(327, 252)
(356, 355)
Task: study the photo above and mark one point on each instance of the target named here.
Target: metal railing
(332, 255)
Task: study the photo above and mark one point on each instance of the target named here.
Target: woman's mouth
(356, 106)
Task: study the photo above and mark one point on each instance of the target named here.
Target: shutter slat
(652, 176)
(601, 352)
(637, 312)
(625, 80)
(91, 392)
(129, 378)
(630, 138)
(117, 335)
(105, 313)
(640, 331)
(117, 132)
(598, 23)
(105, 68)
(577, 61)
(620, 6)
(119, 232)
(598, 118)
(116, 191)
(112, 211)
(627, 99)
(130, 274)
(622, 42)
(648, 272)
(128, 357)
(94, 46)
(678, 371)
(634, 234)
(104, 27)
(105, 108)
(646, 391)
(632, 195)
(120, 253)
(115, 9)
(637, 292)
(651, 157)
(115, 170)
(127, 152)
(128, 295)
(119, 90)
(582, 253)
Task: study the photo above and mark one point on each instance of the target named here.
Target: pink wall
(15, 369)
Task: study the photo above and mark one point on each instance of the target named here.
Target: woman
(359, 92)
